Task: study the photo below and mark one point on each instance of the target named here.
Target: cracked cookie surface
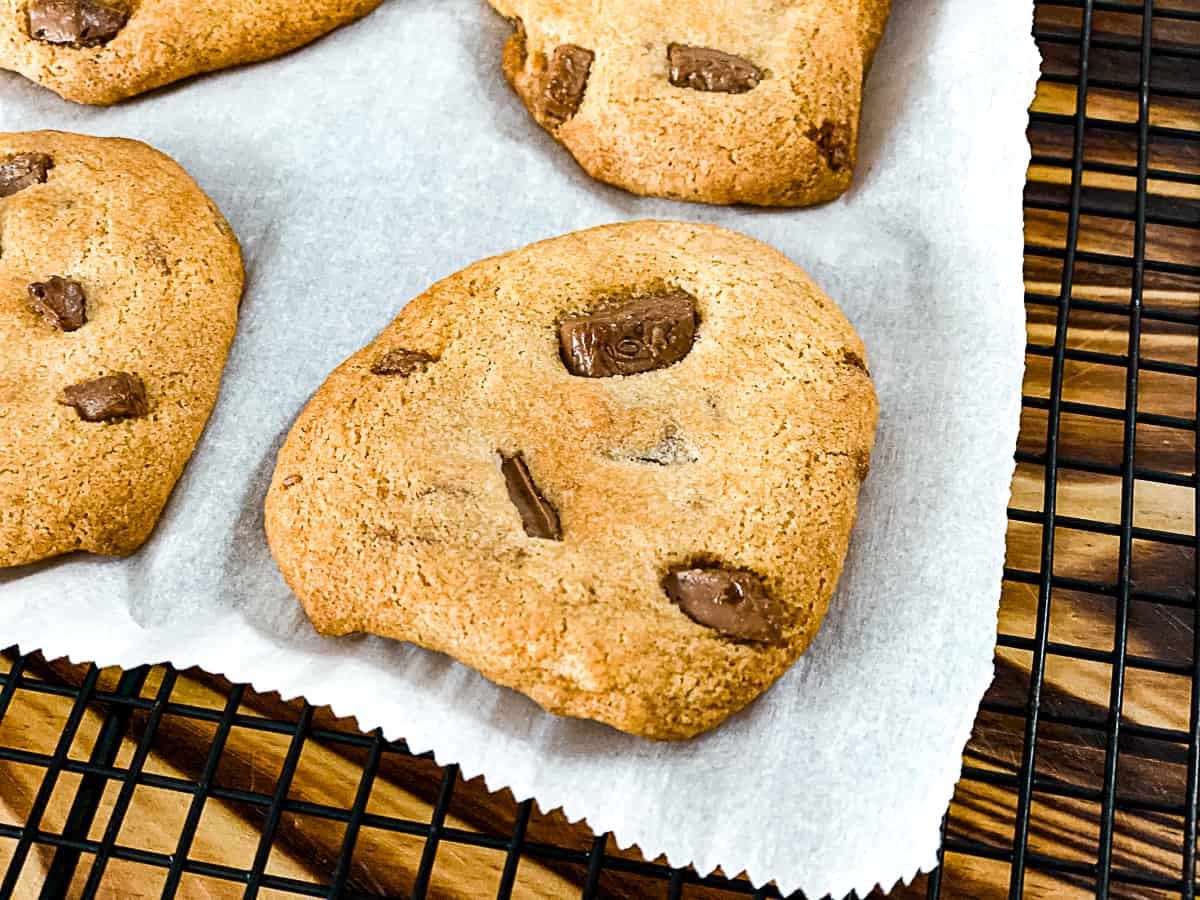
(750, 102)
(650, 546)
(119, 290)
(102, 51)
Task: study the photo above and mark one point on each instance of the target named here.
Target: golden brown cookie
(102, 51)
(750, 102)
(119, 290)
(616, 470)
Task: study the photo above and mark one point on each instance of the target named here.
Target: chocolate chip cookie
(616, 470)
(101, 51)
(755, 102)
(119, 290)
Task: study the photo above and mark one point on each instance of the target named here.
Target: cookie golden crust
(119, 290)
(765, 111)
(510, 501)
(160, 41)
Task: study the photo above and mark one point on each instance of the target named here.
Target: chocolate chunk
(733, 602)
(537, 515)
(862, 465)
(632, 336)
(566, 80)
(519, 39)
(80, 23)
(401, 362)
(705, 69)
(60, 302)
(833, 142)
(119, 396)
(850, 358)
(292, 480)
(22, 171)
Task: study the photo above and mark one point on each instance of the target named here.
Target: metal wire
(1129, 445)
(127, 716)
(1050, 494)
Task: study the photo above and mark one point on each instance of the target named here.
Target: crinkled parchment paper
(362, 168)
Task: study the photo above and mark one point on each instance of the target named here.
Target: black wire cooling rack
(1116, 161)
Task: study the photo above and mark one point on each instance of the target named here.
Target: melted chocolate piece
(566, 80)
(22, 171)
(401, 362)
(60, 302)
(705, 69)
(833, 141)
(119, 396)
(636, 335)
(537, 515)
(733, 602)
(80, 23)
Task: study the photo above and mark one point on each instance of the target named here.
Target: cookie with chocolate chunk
(119, 290)
(102, 51)
(723, 103)
(623, 485)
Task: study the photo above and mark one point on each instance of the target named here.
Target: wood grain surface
(1065, 817)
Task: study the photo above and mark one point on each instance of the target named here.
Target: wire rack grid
(1116, 164)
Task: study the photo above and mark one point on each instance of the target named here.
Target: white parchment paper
(359, 170)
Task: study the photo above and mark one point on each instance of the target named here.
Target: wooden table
(1065, 823)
